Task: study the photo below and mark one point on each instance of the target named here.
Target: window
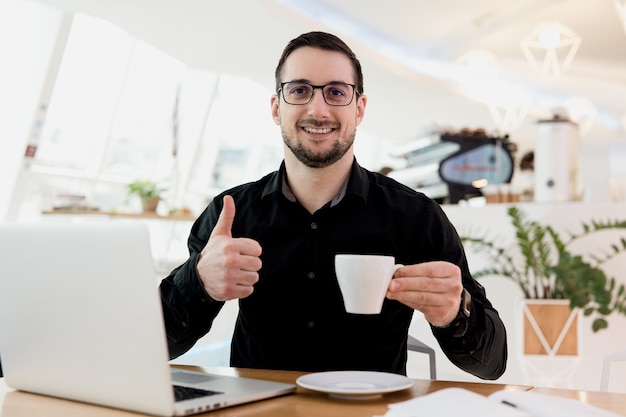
(122, 110)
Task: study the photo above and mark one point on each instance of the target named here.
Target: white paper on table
(543, 405)
(453, 402)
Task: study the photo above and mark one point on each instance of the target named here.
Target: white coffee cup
(364, 280)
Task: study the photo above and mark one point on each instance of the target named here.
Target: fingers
(428, 277)
(228, 267)
(239, 284)
(223, 228)
(224, 224)
(435, 269)
(425, 291)
(434, 288)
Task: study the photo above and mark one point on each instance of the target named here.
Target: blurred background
(463, 94)
(104, 93)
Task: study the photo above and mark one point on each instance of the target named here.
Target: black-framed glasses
(335, 94)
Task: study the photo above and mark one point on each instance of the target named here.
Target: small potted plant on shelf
(149, 192)
(543, 267)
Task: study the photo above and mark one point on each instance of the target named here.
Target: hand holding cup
(364, 280)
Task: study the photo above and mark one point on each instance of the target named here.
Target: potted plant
(543, 267)
(150, 193)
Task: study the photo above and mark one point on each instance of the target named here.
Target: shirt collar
(357, 184)
(359, 181)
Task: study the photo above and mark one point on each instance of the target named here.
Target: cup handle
(395, 268)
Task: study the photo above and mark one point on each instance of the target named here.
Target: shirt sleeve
(188, 311)
(482, 349)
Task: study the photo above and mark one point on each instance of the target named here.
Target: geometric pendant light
(550, 48)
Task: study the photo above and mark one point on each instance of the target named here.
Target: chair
(414, 345)
(216, 353)
(606, 368)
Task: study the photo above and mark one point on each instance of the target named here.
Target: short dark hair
(325, 41)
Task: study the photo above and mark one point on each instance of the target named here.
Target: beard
(318, 159)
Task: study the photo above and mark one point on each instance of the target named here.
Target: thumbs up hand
(228, 267)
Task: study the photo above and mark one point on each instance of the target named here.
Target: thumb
(224, 223)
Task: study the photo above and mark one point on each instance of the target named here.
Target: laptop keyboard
(187, 393)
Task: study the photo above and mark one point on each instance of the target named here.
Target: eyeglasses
(335, 94)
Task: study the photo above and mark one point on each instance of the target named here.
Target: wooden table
(303, 403)
(609, 401)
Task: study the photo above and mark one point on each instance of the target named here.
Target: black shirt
(295, 317)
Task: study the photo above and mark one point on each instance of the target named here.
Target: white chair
(216, 353)
(606, 368)
(415, 345)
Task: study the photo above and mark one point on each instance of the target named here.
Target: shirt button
(311, 275)
(313, 225)
(310, 324)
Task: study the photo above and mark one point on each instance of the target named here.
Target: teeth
(316, 131)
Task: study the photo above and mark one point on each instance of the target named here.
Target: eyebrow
(303, 80)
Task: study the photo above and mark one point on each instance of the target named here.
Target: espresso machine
(467, 161)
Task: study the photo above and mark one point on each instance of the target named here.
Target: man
(271, 244)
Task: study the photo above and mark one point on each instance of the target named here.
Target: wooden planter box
(551, 328)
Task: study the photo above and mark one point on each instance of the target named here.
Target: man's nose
(318, 105)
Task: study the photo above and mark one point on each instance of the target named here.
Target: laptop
(81, 319)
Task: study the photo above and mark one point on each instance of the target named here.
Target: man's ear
(360, 108)
(274, 102)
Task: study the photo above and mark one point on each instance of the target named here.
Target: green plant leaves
(599, 324)
(145, 189)
(549, 270)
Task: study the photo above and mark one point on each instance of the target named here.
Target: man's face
(317, 133)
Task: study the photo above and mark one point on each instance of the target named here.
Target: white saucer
(354, 384)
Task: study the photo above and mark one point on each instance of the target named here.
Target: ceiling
(408, 48)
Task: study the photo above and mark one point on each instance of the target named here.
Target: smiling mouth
(317, 131)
